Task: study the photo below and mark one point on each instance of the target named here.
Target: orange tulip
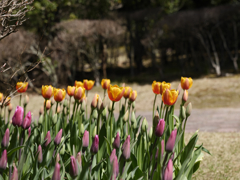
(133, 96)
(115, 93)
(156, 87)
(127, 92)
(88, 84)
(186, 83)
(169, 97)
(47, 91)
(21, 87)
(71, 90)
(1, 97)
(164, 86)
(78, 84)
(105, 83)
(48, 104)
(79, 93)
(59, 94)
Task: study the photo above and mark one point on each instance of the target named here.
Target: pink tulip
(171, 141)
(48, 138)
(56, 173)
(5, 140)
(27, 121)
(14, 175)
(3, 160)
(116, 143)
(160, 128)
(126, 148)
(58, 138)
(95, 144)
(79, 158)
(18, 116)
(115, 166)
(73, 167)
(40, 156)
(168, 174)
(85, 140)
(113, 155)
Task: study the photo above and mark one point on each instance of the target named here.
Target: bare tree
(12, 15)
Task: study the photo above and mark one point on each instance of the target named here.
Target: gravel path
(209, 120)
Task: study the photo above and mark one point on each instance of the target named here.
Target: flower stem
(86, 102)
(154, 107)
(20, 99)
(111, 123)
(44, 118)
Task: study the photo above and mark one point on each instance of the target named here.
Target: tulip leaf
(13, 143)
(132, 173)
(102, 145)
(85, 170)
(13, 150)
(203, 149)
(126, 167)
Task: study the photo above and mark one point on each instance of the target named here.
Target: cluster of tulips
(74, 144)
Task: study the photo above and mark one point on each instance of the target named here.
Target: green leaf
(127, 166)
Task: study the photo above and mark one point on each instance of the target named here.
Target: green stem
(129, 109)
(98, 122)
(90, 132)
(5, 114)
(44, 118)
(104, 94)
(9, 112)
(20, 99)
(154, 102)
(111, 123)
(86, 103)
(184, 131)
(69, 106)
(161, 109)
(56, 108)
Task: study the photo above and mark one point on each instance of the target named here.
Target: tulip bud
(82, 129)
(54, 119)
(144, 125)
(95, 101)
(150, 133)
(95, 144)
(113, 155)
(48, 104)
(133, 120)
(185, 96)
(85, 140)
(18, 116)
(79, 158)
(162, 147)
(27, 121)
(26, 100)
(58, 109)
(58, 137)
(110, 106)
(83, 106)
(95, 114)
(183, 113)
(133, 96)
(10, 108)
(3, 160)
(156, 119)
(94, 132)
(5, 140)
(65, 103)
(115, 167)
(40, 120)
(48, 138)
(104, 112)
(126, 116)
(73, 167)
(189, 109)
(179, 88)
(56, 173)
(99, 104)
(160, 128)
(14, 175)
(62, 151)
(171, 141)
(126, 148)
(29, 131)
(133, 105)
(168, 174)
(116, 142)
(57, 158)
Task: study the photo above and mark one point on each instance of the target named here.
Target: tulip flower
(58, 109)
(168, 173)
(116, 142)
(3, 160)
(40, 156)
(27, 121)
(56, 173)
(169, 97)
(79, 93)
(26, 100)
(85, 140)
(189, 109)
(14, 175)
(78, 84)
(160, 128)
(126, 148)
(18, 116)
(58, 137)
(127, 92)
(21, 87)
(115, 166)
(48, 104)
(71, 90)
(95, 145)
(47, 91)
(185, 96)
(113, 155)
(5, 140)
(186, 83)
(79, 158)
(171, 141)
(144, 125)
(115, 93)
(105, 83)
(156, 87)
(133, 96)
(59, 94)
(10, 108)
(164, 86)
(48, 138)
(1, 97)
(73, 167)
(95, 101)
(88, 84)
(29, 131)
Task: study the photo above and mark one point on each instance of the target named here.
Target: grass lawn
(225, 159)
